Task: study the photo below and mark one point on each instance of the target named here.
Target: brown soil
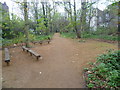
(61, 67)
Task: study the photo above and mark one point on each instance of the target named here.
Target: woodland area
(62, 23)
(43, 18)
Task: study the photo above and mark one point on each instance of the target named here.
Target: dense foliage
(105, 73)
(21, 39)
(45, 19)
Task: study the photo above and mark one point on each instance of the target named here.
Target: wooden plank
(34, 42)
(24, 48)
(35, 54)
(31, 52)
(40, 42)
(7, 56)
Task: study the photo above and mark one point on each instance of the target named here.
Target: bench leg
(7, 63)
(40, 43)
(31, 54)
(27, 50)
(38, 57)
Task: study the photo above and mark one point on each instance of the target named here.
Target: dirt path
(61, 67)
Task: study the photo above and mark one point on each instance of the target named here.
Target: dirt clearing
(61, 67)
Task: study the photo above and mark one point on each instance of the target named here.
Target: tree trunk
(90, 17)
(119, 25)
(50, 19)
(75, 20)
(36, 12)
(83, 15)
(26, 23)
(70, 11)
(35, 6)
(44, 15)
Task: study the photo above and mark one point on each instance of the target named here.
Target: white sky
(13, 7)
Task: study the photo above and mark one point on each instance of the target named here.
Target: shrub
(105, 72)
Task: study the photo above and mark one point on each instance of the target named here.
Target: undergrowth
(92, 36)
(22, 39)
(69, 35)
(105, 72)
(104, 37)
(41, 37)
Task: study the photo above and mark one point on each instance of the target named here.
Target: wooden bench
(34, 42)
(31, 52)
(7, 56)
(48, 41)
(41, 42)
(24, 48)
(35, 54)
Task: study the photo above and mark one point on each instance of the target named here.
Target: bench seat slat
(7, 56)
(31, 52)
(24, 48)
(36, 54)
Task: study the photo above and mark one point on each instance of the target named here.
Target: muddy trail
(61, 67)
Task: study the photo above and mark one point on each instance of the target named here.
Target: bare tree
(83, 15)
(44, 12)
(75, 22)
(91, 12)
(26, 28)
(35, 5)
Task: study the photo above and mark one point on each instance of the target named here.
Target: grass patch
(105, 37)
(105, 72)
(68, 35)
(88, 35)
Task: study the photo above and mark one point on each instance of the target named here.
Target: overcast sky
(13, 7)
